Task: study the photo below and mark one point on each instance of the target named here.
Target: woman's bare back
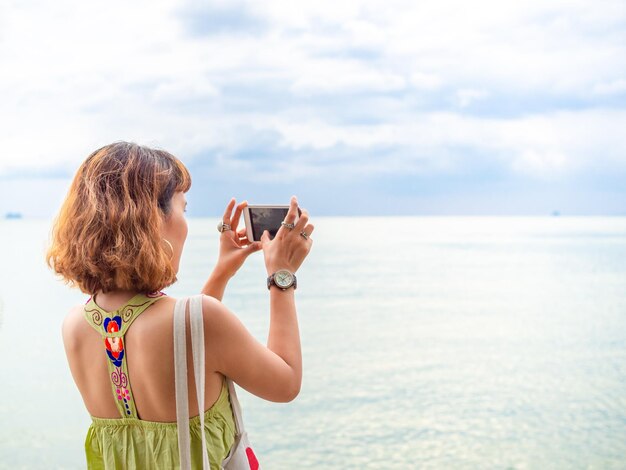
(149, 349)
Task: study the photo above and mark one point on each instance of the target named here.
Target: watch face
(283, 278)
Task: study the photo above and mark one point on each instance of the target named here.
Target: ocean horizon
(429, 341)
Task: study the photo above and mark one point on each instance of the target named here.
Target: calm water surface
(428, 342)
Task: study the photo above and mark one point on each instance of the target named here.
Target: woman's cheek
(186, 228)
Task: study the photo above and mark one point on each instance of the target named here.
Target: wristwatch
(282, 279)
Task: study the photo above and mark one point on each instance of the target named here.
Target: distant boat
(13, 215)
(555, 213)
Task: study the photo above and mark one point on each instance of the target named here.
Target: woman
(119, 237)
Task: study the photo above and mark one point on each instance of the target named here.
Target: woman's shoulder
(73, 325)
(75, 316)
(215, 313)
(210, 305)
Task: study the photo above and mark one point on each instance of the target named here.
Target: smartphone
(259, 218)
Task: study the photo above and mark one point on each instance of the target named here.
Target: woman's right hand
(289, 247)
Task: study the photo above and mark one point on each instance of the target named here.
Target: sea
(434, 342)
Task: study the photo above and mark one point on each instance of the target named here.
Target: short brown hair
(107, 234)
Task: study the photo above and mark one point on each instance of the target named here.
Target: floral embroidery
(115, 346)
(120, 380)
(96, 316)
(128, 312)
(123, 393)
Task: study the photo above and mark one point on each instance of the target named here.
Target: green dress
(130, 442)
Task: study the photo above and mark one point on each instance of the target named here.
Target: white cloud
(425, 81)
(185, 89)
(609, 88)
(467, 96)
(341, 76)
(77, 76)
(546, 146)
(537, 163)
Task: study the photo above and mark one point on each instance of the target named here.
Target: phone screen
(266, 218)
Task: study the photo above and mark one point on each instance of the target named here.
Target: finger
(309, 229)
(235, 220)
(306, 233)
(228, 211)
(265, 238)
(289, 218)
(242, 236)
(252, 247)
(302, 221)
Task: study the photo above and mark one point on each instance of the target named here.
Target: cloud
(609, 88)
(297, 91)
(202, 18)
(467, 96)
(425, 81)
(349, 77)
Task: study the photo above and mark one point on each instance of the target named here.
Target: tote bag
(241, 455)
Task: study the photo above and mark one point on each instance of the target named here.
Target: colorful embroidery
(120, 380)
(115, 346)
(114, 329)
(128, 312)
(96, 316)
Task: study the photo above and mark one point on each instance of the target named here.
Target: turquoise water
(428, 342)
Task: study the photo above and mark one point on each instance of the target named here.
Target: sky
(358, 108)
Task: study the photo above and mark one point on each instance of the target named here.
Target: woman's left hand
(234, 244)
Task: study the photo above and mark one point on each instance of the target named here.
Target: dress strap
(127, 313)
(112, 326)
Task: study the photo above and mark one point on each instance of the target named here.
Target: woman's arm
(215, 285)
(272, 372)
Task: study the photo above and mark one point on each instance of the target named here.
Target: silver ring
(286, 225)
(222, 227)
(305, 235)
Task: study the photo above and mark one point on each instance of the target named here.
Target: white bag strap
(234, 402)
(180, 374)
(197, 348)
(180, 380)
